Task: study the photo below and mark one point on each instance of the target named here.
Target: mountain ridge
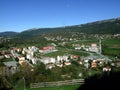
(111, 26)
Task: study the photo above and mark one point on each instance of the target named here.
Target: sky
(20, 15)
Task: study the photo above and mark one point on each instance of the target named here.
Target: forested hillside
(110, 26)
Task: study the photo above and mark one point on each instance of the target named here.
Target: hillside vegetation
(110, 26)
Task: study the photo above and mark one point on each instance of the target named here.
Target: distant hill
(109, 26)
(35, 32)
(8, 34)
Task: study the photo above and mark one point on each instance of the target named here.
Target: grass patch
(54, 54)
(62, 52)
(87, 42)
(68, 87)
(111, 51)
(112, 42)
(79, 53)
(111, 47)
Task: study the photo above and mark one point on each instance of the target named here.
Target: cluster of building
(27, 56)
(59, 61)
(8, 66)
(66, 60)
(5, 54)
(90, 48)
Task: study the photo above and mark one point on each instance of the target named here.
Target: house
(7, 56)
(86, 63)
(118, 64)
(33, 48)
(53, 44)
(93, 45)
(48, 49)
(22, 62)
(107, 68)
(67, 63)
(52, 60)
(62, 43)
(12, 66)
(93, 64)
(33, 60)
(23, 52)
(74, 57)
(10, 63)
(18, 49)
(50, 66)
(77, 46)
(1, 56)
(21, 58)
(101, 62)
(93, 48)
(59, 64)
(47, 60)
(28, 56)
(62, 58)
(80, 62)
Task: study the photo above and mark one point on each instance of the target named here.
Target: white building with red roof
(48, 49)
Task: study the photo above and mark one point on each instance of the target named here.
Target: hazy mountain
(109, 26)
(8, 34)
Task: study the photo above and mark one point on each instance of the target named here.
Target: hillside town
(32, 55)
(59, 58)
(59, 44)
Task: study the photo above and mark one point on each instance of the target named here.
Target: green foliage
(75, 63)
(40, 68)
(4, 84)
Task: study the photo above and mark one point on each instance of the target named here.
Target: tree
(4, 84)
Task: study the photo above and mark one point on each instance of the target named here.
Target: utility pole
(100, 46)
(24, 84)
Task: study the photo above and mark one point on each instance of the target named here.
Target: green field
(57, 53)
(62, 52)
(79, 53)
(111, 47)
(86, 42)
(111, 51)
(70, 87)
(111, 42)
